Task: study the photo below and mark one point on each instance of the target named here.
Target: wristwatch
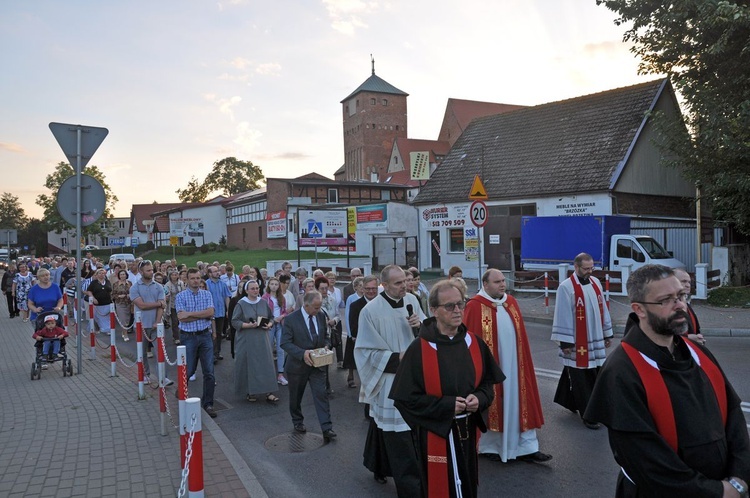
(742, 490)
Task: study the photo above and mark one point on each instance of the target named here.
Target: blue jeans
(201, 346)
(274, 334)
(53, 345)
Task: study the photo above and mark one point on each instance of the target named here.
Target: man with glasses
(675, 423)
(442, 387)
(516, 413)
(583, 329)
(148, 297)
(385, 330)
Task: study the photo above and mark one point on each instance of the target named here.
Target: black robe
(426, 413)
(707, 450)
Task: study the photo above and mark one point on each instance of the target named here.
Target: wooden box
(321, 357)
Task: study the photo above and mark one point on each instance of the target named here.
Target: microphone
(410, 311)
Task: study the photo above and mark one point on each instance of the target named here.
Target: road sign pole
(79, 321)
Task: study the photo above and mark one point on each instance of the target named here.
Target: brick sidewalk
(88, 435)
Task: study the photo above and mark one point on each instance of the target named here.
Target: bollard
(195, 465)
(606, 289)
(66, 325)
(92, 332)
(139, 353)
(112, 344)
(181, 397)
(160, 369)
(546, 293)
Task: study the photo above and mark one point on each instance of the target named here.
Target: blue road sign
(315, 229)
(117, 241)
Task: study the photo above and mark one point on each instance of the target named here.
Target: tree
(52, 217)
(12, 214)
(704, 48)
(229, 176)
(34, 235)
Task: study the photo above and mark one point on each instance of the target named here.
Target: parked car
(90, 247)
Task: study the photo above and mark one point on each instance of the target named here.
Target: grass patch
(730, 297)
(255, 257)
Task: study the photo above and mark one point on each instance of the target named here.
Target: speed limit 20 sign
(478, 213)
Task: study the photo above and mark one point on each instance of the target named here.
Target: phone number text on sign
(445, 216)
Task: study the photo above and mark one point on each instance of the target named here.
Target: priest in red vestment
(516, 412)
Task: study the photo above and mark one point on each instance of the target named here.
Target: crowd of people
(444, 377)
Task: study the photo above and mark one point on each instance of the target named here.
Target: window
(121, 223)
(372, 101)
(373, 126)
(626, 249)
(260, 234)
(456, 236)
(396, 127)
(64, 242)
(244, 235)
(333, 196)
(395, 159)
(385, 101)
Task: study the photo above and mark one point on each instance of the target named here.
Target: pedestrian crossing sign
(314, 229)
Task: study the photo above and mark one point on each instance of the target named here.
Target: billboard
(276, 225)
(186, 227)
(323, 228)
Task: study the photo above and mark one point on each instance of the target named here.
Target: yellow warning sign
(477, 192)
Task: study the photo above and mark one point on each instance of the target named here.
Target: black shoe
(300, 428)
(219, 357)
(210, 410)
(535, 457)
(594, 426)
(12, 316)
(492, 457)
(329, 435)
(380, 479)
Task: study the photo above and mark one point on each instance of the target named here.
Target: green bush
(204, 248)
(178, 251)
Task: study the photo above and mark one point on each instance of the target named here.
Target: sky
(181, 84)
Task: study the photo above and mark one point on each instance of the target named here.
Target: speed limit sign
(478, 213)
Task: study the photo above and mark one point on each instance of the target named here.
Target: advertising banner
(186, 227)
(276, 225)
(323, 228)
(453, 216)
(420, 165)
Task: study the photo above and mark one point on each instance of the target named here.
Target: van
(125, 256)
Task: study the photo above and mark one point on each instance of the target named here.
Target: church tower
(374, 115)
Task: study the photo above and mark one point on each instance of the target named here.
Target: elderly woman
(254, 372)
(45, 295)
(22, 284)
(100, 294)
(121, 297)
(173, 287)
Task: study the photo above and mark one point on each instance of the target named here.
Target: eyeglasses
(371, 289)
(449, 307)
(143, 263)
(667, 301)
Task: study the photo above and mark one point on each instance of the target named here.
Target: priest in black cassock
(443, 387)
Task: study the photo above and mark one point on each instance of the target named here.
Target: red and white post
(195, 465)
(139, 354)
(66, 325)
(162, 377)
(181, 397)
(92, 332)
(112, 344)
(546, 293)
(606, 289)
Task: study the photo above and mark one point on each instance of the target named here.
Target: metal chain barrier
(123, 326)
(540, 277)
(188, 454)
(166, 405)
(117, 350)
(166, 356)
(518, 298)
(621, 304)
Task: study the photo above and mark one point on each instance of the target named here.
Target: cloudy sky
(183, 83)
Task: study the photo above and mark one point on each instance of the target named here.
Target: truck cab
(639, 250)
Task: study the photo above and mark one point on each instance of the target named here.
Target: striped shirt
(190, 301)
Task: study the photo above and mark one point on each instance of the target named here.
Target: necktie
(311, 324)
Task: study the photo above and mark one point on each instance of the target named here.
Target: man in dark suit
(305, 330)
(349, 288)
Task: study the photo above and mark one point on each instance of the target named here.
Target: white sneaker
(44, 366)
(146, 379)
(282, 380)
(149, 355)
(168, 381)
(192, 378)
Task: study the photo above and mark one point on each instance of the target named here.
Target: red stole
(480, 318)
(582, 338)
(657, 395)
(437, 453)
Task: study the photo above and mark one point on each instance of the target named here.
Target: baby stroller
(41, 360)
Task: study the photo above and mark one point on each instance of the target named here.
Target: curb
(248, 479)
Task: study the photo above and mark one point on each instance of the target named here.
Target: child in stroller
(50, 345)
